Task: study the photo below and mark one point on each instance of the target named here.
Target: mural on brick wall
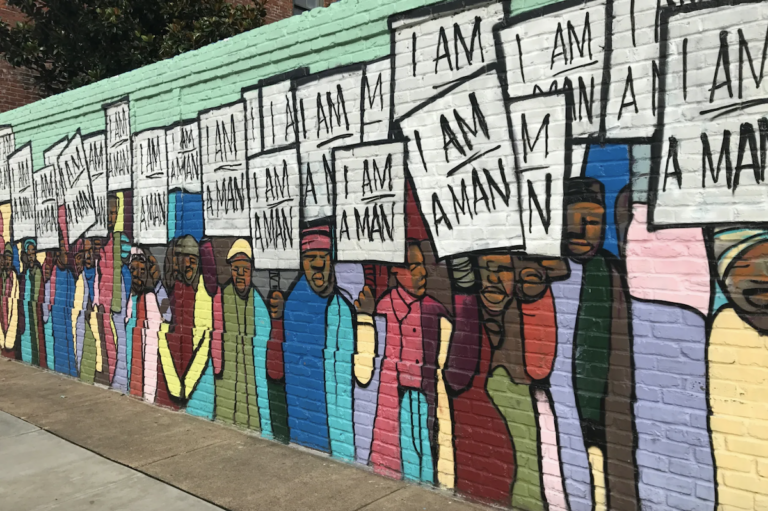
(522, 257)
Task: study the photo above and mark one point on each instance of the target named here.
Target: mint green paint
(347, 32)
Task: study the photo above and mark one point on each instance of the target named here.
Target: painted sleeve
(166, 361)
(445, 465)
(201, 338)
(365, 351)
(263, 331)
(13, 316)
(77, 315)
(217, 341)
(463, 354)
(47, 302)
(154, 320)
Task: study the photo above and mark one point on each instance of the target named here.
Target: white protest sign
(541, 135)
(96, 156)
(22, 193)
(275, 193)
(436, 46)
(118, 129)
(632, 105)
(252, 121)
(461, 159)
(370, 202)
(225, 187)
(714, 126)
(377, 82)
(150, 186)
(565, 40)
(184, 159)
(278, 115)
(51, 157)
(75, 182)
(328, 106)
(7, 146)
(46, 210)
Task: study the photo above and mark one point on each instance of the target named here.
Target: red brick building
(17, 87)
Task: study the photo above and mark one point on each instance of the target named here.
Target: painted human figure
(143, 321)
(278, 407)
(738, 352)
(46, 305)
(61, 288)
(112, 290)
(242, 395)
(318, 350)
(593, 357)
(412, 430)
(9, 303)
(32, 335)
(91, 348)
(185, 345)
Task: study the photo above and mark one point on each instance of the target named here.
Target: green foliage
(71, 43)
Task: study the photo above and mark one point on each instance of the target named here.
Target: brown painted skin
(584, 231)
(318, 269)
(138, 276)
(497, 278)
(240, 267)
(413, 278)
(746, 282)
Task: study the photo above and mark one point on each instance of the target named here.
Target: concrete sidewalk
(225, 466)
(42, 472)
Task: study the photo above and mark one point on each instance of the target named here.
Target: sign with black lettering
(7, 146)
(275, 192)
(437, 46)
(46, 210)
(328, 106)
(96, 156)
(184, 162)
(565, 40)
(710, 167)
(51, 157)
(377, 84)
(75, 182)
(278, 115)
(462, 163)
(370, 202)
(118, 129)
(252, 121)
(22, 193)
(541, 135)
(225, 188)
(150, 189)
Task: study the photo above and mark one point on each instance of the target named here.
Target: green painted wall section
(347, 32)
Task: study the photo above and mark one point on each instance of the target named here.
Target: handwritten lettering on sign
(377, 84)
(433, 49)
(225, 187)
(541, 135)
(75, 181)
(711, 166)
(565, 40)
(51, 157)
(328, 106)
(7, 146)
(96, 157)
(184, 159)
(119, 153)
(462, 163)
(275, 209)
(22, 193)
(150, 177)
(370, 202)
(46, 210)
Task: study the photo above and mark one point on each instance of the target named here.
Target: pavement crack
(139, 466)
(379, 499)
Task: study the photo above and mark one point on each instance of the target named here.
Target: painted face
(746, 283)
(586, 224)
(497, 278)
(154, 269)
(318, 269)
(112, 214)
(8, 257)
(533, 275)
(31, 253)
(241, 275)
(138, 275)
(88, 254)
(413, 278)
(188, 264)
(79, 262)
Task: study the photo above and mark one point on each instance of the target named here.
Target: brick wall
(18, 86)
(512, 251)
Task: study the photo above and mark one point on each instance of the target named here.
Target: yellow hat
(241, 246)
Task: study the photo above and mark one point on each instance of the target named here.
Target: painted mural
(522, 257)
